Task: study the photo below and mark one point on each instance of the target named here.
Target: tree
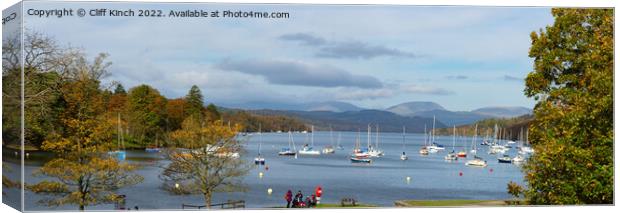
(211, 162)
(82, 173)
(572, 130)
(119, 89)
(212, 113)
(175, 110)
(195, 102)
(45, 68)
(147, 111)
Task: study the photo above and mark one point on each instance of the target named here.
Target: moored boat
(477, 162)
(504, 159)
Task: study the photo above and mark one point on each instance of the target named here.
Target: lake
(380, 183)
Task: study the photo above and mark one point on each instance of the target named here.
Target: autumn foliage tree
(572, 130)
(205, 159)
(82, 173)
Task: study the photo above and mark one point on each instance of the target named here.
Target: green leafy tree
(572, 130)
(146, 109)
(119, 89)
(212, 113)
(195, 103)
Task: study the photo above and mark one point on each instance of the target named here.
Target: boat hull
(361, 160)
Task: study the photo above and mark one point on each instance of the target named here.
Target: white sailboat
(259, 160)
(434, 146)
(423, 149)
(452, 156)
(526, 148)
(375, 151)
(404, 155)
(309, 150)
(495, 146)
(477, 162)
(338, 146)
(329, 149)
(359, 155)
(474, 150)
(291, 150)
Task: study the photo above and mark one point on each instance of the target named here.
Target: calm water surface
(380, 183)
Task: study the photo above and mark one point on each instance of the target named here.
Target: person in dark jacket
(298, 199)
(288, 197)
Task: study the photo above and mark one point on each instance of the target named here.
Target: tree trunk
(81, 207)
(208, 199)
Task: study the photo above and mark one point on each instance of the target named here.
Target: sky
(372, 56)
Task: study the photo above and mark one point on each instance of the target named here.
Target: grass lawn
(337, 205)
(413, 203)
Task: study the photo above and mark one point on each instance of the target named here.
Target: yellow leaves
(84, 182)
(48, 187)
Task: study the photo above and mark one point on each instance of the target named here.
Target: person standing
(288, 197)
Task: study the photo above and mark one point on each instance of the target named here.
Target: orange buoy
(460, 173)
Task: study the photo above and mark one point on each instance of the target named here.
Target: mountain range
(348, 117)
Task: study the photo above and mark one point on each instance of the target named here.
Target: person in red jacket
(288, 197)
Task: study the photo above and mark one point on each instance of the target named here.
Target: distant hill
(354, 120)
(430, 109)
(411, 108)
(503, 112)
(451, 118)
(333, 106)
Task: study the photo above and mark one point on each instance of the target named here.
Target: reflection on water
(380, 183)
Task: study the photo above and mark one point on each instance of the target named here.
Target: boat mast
(433, 131)
(425, 136)
(368, 136)
(331, 136)
(312, 136)
(403, 138)
(377, 138)
(473, 142)
(453, 136)
(260, 138)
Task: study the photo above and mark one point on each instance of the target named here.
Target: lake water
(380, 183)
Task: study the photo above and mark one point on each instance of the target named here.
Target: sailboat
(153, 149)
(519, 158)
(291, 144)
(525, 148)
(329, 149)
(434, 147)
(119, 154)
(451, 156)
(404, 155)
(504, 159)
(359, 155)
(477, 162)
(485, 141)
(424, 150)
(375, 151)
(259, 160)
(495, 146)
(473, 141)
(309, 150)
(338, 146)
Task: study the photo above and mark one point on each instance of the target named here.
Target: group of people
(298, 201)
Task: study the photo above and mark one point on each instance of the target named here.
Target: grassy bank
(337, 205)
(430, 203)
